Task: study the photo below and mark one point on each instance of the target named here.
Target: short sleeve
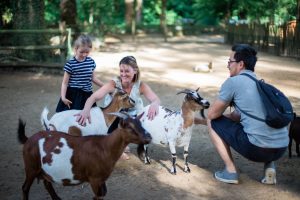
(226, 92)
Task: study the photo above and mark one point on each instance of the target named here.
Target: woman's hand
(82, 117)
(67, 102)
(153, 110)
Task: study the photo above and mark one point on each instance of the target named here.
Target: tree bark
(29, 14)
(297, 29)
(68, 15)
(163, 20)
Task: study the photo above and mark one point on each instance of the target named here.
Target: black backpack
(279, 111)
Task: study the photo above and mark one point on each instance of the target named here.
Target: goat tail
(44, 118)
(21, 132)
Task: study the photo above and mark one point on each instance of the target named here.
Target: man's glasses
(231, 61)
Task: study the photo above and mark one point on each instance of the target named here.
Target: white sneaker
(270, 174)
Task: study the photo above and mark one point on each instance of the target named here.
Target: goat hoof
(147, 161)
(187, 171)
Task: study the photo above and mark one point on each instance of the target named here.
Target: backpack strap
(244, 112)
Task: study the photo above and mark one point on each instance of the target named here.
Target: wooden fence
(279, 40)
(20, 48)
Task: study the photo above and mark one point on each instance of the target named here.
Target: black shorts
(233, 134)
(78, 98)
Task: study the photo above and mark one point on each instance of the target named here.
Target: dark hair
(131, 61)
(245, 53)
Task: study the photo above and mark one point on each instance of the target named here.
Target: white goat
(175, 127)
(100, 119)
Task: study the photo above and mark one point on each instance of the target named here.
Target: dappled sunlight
(172, 63)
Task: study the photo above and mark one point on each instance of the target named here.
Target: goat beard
(140, 151)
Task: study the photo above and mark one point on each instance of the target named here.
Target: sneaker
(270, 174)
(227, 177)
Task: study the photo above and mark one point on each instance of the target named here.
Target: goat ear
(122, 115)
(140, 116)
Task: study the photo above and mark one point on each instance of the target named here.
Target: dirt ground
(167, 68)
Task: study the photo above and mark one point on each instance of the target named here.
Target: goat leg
(186, 165)
(26, 186)
(99, 188)
(297, 149)
(173, 169)
(290, 147)
(50, 189)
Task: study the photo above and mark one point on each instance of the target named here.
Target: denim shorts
(233, 134)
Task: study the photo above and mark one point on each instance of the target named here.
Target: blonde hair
(83, 40)
(131, 61)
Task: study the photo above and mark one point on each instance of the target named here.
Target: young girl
(79, 74)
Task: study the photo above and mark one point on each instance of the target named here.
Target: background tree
(29, 16)
(68, 15)
(163, 20)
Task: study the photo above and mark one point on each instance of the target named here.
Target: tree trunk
(133, 15)
(129, 11)
(163, 21)
(29, 14)
(68, 15)
(297, 29)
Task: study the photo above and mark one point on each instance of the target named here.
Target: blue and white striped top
(80, 73)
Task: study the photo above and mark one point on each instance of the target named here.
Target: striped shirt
(80, 73)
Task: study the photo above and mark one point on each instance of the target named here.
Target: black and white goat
(175, 127)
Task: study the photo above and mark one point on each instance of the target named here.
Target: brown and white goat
(70, 160)
(100, 119)
(174, 128)
(294, 134)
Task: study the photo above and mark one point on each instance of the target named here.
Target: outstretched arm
(217, 109)
(153, 98)
(98, 95)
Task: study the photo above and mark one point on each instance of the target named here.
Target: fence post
(69, 46)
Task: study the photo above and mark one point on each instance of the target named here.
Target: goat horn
(197, 89)
(122, 115)
(185, 91)
(118, 88)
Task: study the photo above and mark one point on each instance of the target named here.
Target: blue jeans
(233, 134)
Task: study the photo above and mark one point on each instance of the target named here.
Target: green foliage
(103, 16)
(52, 12)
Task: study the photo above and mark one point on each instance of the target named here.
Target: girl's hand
(82, 117)
(67, 102)
(153, 110)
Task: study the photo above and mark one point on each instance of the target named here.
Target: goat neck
(188, 112)
(114, 106)
(115, 144)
